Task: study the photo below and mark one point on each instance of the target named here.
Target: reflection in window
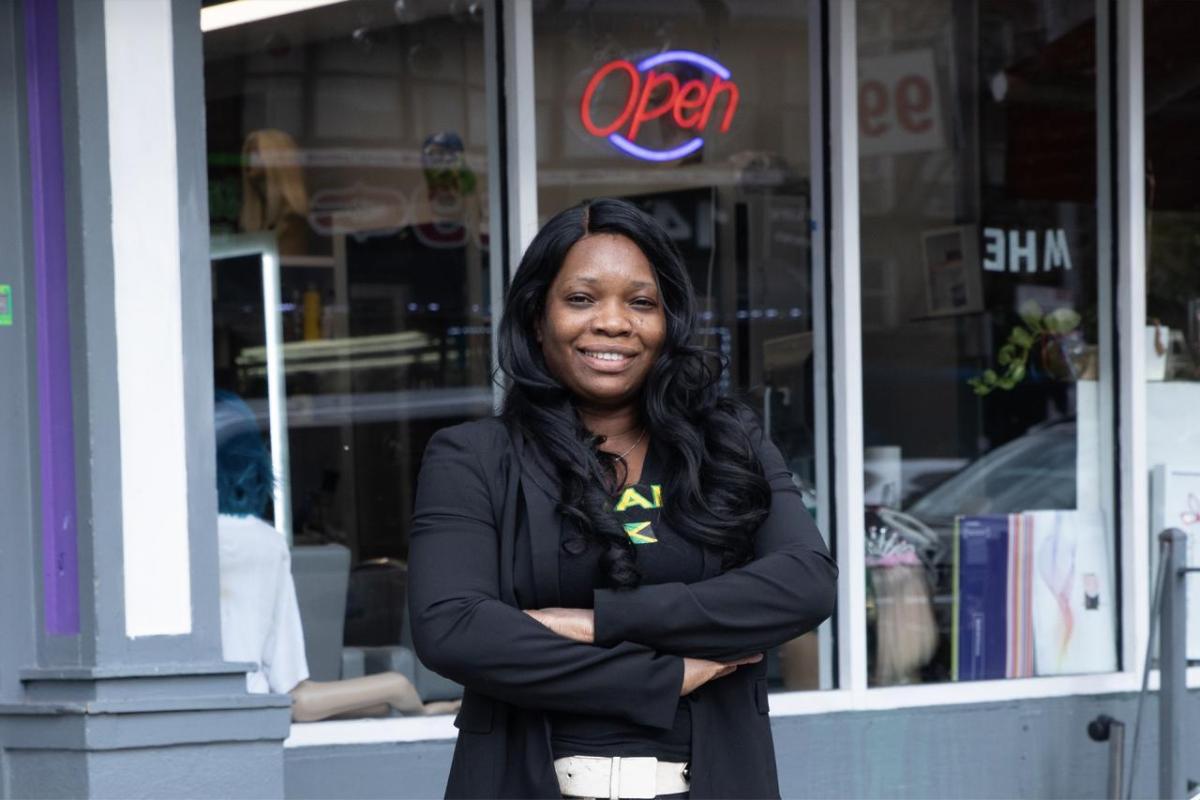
(700, 114)
(989, 550)
(355, 136)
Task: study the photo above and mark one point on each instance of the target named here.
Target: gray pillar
(111, 679)
(18, 464)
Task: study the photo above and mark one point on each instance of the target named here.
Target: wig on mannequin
(906, 634)
(244, 486)
(244, 478)
(272, 183)
(718, 495)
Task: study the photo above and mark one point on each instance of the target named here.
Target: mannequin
(260, 618)
(274, 197)
(905, 628)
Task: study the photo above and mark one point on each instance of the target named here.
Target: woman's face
(604, 324)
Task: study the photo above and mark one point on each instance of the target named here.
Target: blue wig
(244, 478)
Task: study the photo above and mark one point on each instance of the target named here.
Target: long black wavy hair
(717, 495)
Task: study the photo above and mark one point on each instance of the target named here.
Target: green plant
(1037, 331)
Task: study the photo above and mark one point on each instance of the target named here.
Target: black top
(663, 556)
(485, 543)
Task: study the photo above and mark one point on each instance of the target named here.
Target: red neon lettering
(719, 86)
(690, 105)
(644, 113)
(682, 103)
(585, 108)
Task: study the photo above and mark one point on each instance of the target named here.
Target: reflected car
(1033, 472)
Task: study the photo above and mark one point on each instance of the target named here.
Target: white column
(822, 412)
(521, 120)
(146, 257)
(1130, 329)
(846, 305)
(495, 163)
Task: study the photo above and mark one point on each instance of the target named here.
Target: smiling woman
(604, 325)
(701, 115)
(603, 566)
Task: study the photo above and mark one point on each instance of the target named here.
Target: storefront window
(351, 138)
(1172, 344)
(989, 551)
(700, 114)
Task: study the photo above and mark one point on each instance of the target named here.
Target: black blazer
(474, 563)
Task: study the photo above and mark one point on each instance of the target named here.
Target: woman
(603, 566)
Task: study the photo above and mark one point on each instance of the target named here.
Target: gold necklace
(641, 436)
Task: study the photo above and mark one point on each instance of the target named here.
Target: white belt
(617, 777)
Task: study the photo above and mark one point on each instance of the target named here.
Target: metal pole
(1172, 658)
(1106, 729)
(1116, 759)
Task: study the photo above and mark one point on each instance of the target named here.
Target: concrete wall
(225, 770)
(1031, 748)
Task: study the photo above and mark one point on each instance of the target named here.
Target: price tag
(6, 306)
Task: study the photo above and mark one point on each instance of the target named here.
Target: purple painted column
(56, 428)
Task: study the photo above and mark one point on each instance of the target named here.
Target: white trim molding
(371, 731)
(783, 704)
(144, 169)
(1130, 332)
(496, 201)
(520, 113)
(846, 366)
(823, 450)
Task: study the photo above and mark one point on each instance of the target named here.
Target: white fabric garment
(260, 619)
(1074, 603)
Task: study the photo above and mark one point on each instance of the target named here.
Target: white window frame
(843, 358)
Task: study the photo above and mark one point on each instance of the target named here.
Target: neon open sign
(653, 94)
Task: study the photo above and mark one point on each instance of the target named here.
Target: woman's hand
(571, 623)
(699, 671)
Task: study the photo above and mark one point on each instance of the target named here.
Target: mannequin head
(244, 478)
(448, 179)
(272, 182)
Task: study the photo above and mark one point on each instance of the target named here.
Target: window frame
(837, 312)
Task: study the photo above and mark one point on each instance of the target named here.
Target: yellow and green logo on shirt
(641, 531)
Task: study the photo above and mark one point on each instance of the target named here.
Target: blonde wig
(906, 632)
(272, 183)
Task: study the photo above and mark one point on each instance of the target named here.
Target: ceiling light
(241, 12)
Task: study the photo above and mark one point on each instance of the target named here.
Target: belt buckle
(637, 778)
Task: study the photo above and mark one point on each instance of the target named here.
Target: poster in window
(1033, 595)
(952, 282)
(1074, 627)
(1175, 503)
